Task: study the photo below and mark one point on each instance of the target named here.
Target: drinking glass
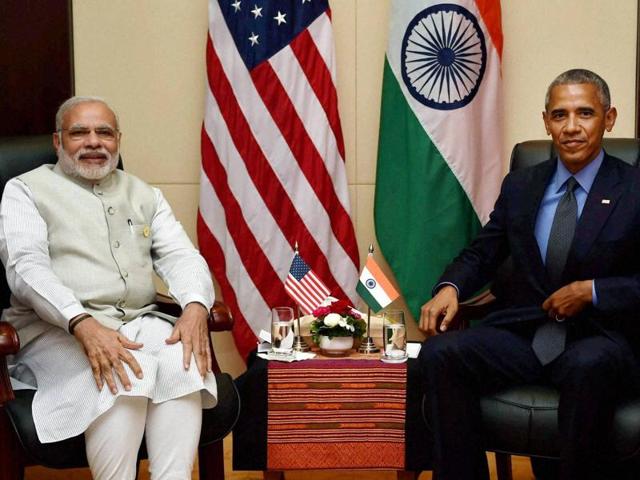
(282, 331)
(394, 336)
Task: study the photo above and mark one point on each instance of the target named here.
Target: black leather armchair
(523, 420)
(19, 445)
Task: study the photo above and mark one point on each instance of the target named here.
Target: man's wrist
(192, 305)
(441, 286)
(75, 321)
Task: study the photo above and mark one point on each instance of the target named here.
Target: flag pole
(299, 345)
(368, 345)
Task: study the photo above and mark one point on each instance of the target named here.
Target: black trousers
(459, 367)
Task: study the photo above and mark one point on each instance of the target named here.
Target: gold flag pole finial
(371, 249)
(295, 247)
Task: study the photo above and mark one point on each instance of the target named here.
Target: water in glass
(282, 331)
(394, 334)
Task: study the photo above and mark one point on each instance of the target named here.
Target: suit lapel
(603, 197)
(535, 189)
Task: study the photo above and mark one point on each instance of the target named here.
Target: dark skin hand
(569, 300)
(565, 302)
(445, 302)
(191, 328)
(107, 350)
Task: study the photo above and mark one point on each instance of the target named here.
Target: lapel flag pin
(606, 201)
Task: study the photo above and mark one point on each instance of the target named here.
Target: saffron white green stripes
(374, 287)
(439, 167)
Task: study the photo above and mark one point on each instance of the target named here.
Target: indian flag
(440, 148)
(374, 287)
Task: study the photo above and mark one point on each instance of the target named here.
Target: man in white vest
(80, 241)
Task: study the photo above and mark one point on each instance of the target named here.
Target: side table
(253, 451)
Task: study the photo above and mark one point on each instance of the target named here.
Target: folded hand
(569, 300)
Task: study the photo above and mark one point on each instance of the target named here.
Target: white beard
(74, 167)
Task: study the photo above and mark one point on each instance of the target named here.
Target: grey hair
(580, 75)
(77, 100)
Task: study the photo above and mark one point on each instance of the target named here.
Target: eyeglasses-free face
(576, 120)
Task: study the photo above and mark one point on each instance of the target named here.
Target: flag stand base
(299, 345)
(368, 346)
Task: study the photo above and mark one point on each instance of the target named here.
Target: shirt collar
(584, 177)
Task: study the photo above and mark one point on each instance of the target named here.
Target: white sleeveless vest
(99, 240)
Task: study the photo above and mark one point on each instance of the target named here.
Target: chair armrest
(9, 345)
(167, 305)
(220, 319)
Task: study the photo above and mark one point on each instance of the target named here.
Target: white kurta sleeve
(176, 260)
(24, 252)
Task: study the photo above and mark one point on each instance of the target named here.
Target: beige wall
(147, 58)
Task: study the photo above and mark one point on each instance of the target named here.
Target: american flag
(272, 157)
(304, 287)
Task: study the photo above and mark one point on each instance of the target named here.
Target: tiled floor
(521, 469)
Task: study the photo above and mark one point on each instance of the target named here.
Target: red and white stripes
(273, 174)
(309, 292)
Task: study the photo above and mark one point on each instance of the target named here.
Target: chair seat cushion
(625, 435)
(217, 422)
(524, 420)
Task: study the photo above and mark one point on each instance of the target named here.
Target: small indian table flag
(374, 287)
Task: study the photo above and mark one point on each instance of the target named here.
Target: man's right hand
(444, 303)
(107, 350)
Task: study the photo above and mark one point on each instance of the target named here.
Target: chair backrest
(19, 155)
(532, 152)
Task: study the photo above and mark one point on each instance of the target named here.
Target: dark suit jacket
(606, 247)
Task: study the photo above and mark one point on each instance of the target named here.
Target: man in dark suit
(571, 227)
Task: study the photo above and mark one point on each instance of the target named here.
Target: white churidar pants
(172, 432)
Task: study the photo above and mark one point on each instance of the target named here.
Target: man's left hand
(569, 300)
(191, 329)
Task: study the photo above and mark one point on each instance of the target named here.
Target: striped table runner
(329, 413)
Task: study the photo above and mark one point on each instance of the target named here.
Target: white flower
(328, 301)
(340, 321)
(332, 319)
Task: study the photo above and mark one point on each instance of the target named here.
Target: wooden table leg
(503, 466)
(273, 475)
(405, 475)
(11, 453)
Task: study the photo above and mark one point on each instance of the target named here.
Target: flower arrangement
(336, 318)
